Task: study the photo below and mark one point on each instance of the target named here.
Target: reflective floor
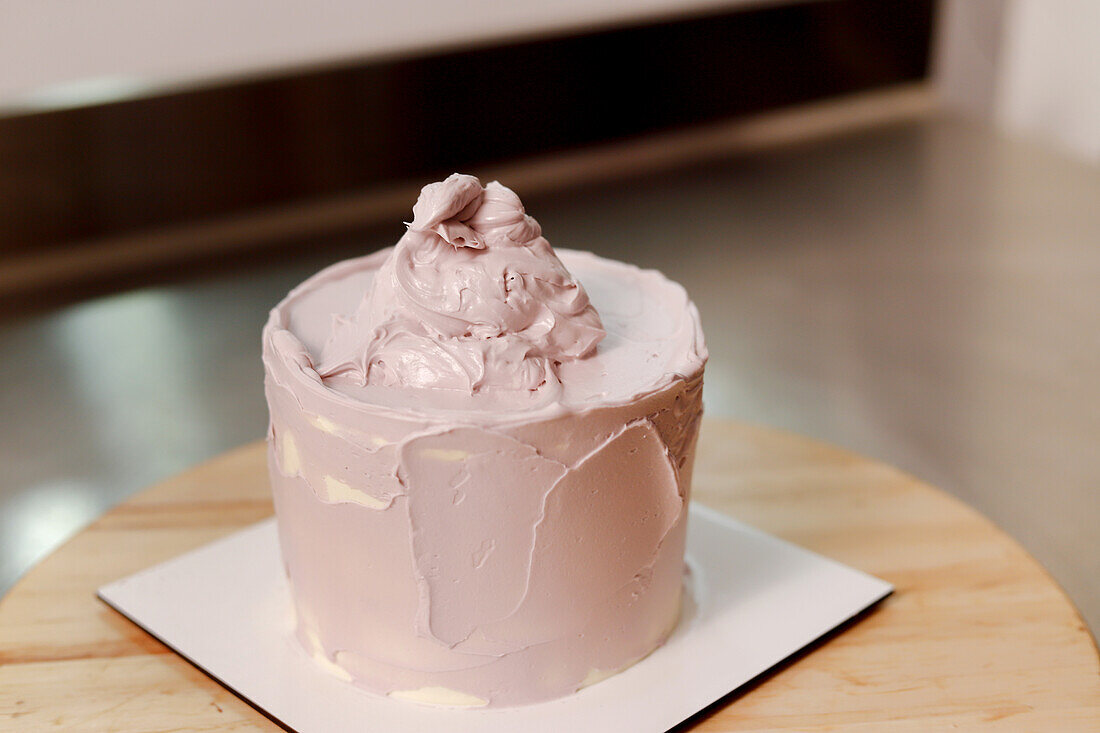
(925, 293)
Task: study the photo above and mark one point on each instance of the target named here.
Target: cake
(480, 453)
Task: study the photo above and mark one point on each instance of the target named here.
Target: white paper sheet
(757, 600)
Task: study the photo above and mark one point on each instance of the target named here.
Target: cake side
(485, 567)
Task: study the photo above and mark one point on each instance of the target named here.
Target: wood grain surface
(977, 635)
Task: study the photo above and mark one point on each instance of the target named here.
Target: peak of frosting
(471, 299)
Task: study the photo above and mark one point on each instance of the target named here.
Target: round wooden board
(977, 635)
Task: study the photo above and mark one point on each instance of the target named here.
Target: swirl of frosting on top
(472, 299)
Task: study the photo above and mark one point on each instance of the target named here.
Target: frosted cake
(481, 454)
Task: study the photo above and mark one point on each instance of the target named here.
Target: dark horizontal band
(112, 169)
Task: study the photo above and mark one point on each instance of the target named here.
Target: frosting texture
(480, 484)
(473, 298)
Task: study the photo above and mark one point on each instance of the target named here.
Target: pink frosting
(481, 488)
(473, 298)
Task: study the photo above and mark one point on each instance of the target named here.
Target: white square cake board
(758, 600)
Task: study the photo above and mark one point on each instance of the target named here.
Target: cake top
(472, 313)
(472, 299)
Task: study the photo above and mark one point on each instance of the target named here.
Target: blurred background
(888, 212)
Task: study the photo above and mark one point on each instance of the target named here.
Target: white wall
(1032, 67)
(1049, 82)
